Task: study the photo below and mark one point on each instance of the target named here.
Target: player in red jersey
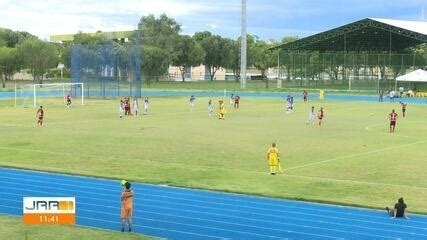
(127, 111)
(39, 116)
(68, 100)
(393, 118)
(236, 101)
(129, 107)
(320, 115)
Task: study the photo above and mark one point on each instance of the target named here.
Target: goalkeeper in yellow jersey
(273, 159)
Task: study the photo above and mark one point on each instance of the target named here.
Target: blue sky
(268, 19)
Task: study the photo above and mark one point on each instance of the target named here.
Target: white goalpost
(50, 90)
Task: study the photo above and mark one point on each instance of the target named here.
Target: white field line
(385, 132)
(357, 155)
(203, 168)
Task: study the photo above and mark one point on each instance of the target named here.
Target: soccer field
(351, 159)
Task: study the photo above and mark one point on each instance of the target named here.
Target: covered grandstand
(369, 53)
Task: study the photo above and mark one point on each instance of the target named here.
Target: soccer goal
(31, 94)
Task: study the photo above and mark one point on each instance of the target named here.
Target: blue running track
(198, 93)
(178, 213)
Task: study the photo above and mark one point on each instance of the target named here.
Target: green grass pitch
(351, 159)
(14, 228)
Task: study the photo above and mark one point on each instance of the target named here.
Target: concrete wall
(198, 73)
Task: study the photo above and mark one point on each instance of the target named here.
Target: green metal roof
(366, 35)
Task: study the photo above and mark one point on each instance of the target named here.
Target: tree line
(19, 50)
(163, 45)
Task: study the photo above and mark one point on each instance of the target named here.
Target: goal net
(51, 93)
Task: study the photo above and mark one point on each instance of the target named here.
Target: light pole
(138, 61)
(243, 48)
(279, 80)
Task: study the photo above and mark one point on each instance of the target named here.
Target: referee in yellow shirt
(273, 159)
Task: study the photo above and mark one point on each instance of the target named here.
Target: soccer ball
(123, 182)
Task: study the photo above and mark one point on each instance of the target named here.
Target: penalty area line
(368, 128)
(357, 155)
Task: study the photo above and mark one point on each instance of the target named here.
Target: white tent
(415, 76)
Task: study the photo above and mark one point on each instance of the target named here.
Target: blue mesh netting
(108, 69)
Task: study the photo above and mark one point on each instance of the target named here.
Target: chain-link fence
(347, 70)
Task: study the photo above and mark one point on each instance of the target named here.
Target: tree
(250, 44)
(11, 38)
(154, 62)
(233, 58)
(38, 56)
(9, 64)
(189, 53)
(159, 36)
(64, 53)
(216, 51)
(263, 58)
(161, 32)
